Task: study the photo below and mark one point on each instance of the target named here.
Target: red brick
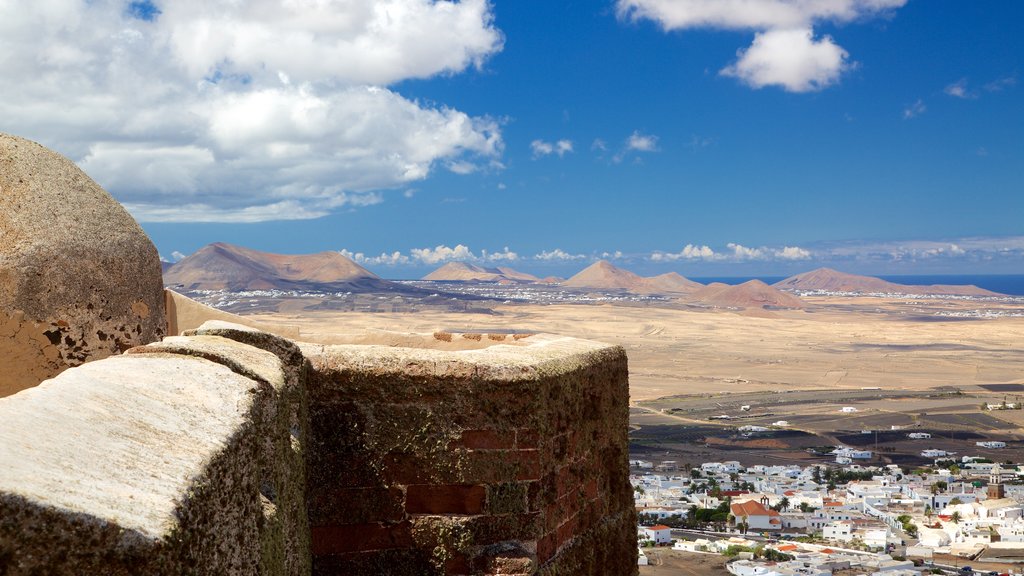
(495, 466)
(401, 468)
(446, 499)
(486, 440)
(526, 438)
(457, 565)
(529, 465)
(546, 547)
(567, 530)
(330, 540)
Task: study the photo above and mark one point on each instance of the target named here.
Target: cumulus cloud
(504, 255)
(741, 252)
(733, 252)
(557, 255)
(689, 252)
(542, 148)
(177, 256)
(914, 110)
(793, 253)
(793, 59)
(785, 52)
(442, 254)
(216, 110)
(385, 259)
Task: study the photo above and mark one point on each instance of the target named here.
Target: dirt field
(889, 360)
(668, 562)
(681, 351)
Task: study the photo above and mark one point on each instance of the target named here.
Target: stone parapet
(232, 451)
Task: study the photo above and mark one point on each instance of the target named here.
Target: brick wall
(496, 462)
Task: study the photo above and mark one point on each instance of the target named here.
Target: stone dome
(79, 279)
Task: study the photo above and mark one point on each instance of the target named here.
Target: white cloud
(504, 255)
(1001, 83)
(793, 59)
(689, 252)
(177, 256)
(785, 52)
(959, 89)
(384, 259)
(442, 254)
(243, 111)
(750, 14)
(542, 148)
(914, 110)
(741, 252)
(642, 142)
(793, 253)
(557, 255)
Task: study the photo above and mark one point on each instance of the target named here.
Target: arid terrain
(898, 362)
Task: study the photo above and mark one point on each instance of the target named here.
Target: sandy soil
(668, 562)
(680, 351)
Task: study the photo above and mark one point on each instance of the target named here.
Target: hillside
(603, 275)
(674, 282)
(830, 280)
(222, 266)
(465, 272)
(750, 294)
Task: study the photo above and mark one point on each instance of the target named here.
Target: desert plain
(902, 364)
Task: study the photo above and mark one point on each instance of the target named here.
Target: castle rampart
(232, 451)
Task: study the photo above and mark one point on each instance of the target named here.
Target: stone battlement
(233, 451)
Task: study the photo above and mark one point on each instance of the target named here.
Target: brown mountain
(674, 282)
(463, 272)
(751, 294)
(603, 275)
(835, 281)
(222, 266)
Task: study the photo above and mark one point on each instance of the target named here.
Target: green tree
(955, 517)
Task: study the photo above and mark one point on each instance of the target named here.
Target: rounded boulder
(79, 279)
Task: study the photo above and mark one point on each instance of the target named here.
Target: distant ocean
(1012, 284)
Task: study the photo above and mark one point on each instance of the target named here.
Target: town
(958, 516)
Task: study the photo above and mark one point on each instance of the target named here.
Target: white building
(847, 409)
(919, 435)
(934, 453)
(844, 452)
(841, 531)
(992, 444)
(660, 533)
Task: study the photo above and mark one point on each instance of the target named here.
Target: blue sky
(705, 137)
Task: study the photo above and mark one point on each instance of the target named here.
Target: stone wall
(231, 451)
(509, 459)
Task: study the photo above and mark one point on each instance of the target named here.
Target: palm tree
(955, 517)
(783, 504)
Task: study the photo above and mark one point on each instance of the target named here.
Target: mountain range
(223, 266)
